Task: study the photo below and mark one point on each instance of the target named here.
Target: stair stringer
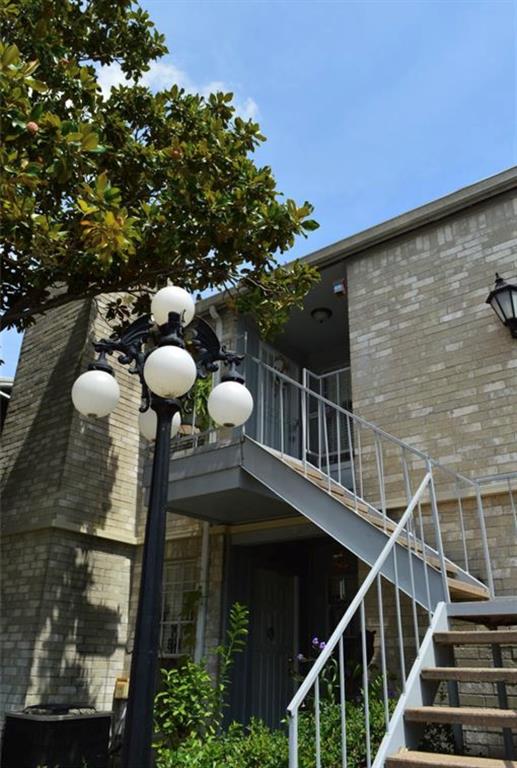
(342, 524)
(417, 692)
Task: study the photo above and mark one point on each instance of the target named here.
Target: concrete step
(413, 759)
(477, 637)
(483, 717)
(472, 674)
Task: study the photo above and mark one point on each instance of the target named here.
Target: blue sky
(370, 108)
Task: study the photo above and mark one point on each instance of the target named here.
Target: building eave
(419, 217)
(400, 225)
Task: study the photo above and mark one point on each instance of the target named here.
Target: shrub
(190, 706)
(186, 705)
(253, 747)
(257, 746)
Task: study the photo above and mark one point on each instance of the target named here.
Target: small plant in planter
(195, 416)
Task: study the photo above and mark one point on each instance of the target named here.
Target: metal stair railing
(380, 469)
(443, 522)
(318, 687)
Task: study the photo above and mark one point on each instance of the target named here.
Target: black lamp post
(155, 348)
(503, 300)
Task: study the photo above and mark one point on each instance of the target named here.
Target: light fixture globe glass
(172, 298)
(169, 371)
(148, 420)
(230, 404)
(95, 393)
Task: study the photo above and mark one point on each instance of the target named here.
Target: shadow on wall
(56, 624)
(73, 635)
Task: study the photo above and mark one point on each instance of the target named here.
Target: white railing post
(317, 721)
(261, 391)
(293, 739)
(304, 405)
(484, 541)
(438, 533)
(281, 392)
(366, 692)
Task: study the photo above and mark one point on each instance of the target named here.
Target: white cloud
(162, 75)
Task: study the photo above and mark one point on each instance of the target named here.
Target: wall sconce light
(503, 300)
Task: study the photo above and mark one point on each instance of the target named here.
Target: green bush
(190, 706)
(186, 706)
(189, 713)
(257, 746)
(253, 747)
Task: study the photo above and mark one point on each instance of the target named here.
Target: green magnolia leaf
(10, 55)
(36, 111)
(36, 85)
(89, 142)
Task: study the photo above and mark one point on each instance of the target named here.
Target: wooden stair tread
(477, 637)
(321, 480)
(431, 560)
(496, 620)
(461, 590)
(472, 674)
(415, 759)
(482, 716)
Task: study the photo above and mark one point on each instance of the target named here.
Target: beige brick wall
(69, 498)
(73, 517)
(432, 365)
(430, 361)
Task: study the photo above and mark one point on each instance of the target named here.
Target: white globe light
(230, 404)
(95, 393)
(172, 299)
(148, 420)
(169, 371)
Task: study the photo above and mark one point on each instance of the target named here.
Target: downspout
(199, 649)
(202, 610)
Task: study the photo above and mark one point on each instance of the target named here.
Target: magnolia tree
(120, 193)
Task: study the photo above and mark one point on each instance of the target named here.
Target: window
(180, 598)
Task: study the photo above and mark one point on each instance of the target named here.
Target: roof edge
(404, 223)
(417, 217)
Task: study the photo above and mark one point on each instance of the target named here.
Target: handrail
(503, 477)
(341, 457)
(360, 420)
(349, 614)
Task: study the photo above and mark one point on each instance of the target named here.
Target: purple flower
(322, 645)
(315, 642)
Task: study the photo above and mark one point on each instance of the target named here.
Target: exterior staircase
(386, 502)
(436, 664)
(458, 589)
